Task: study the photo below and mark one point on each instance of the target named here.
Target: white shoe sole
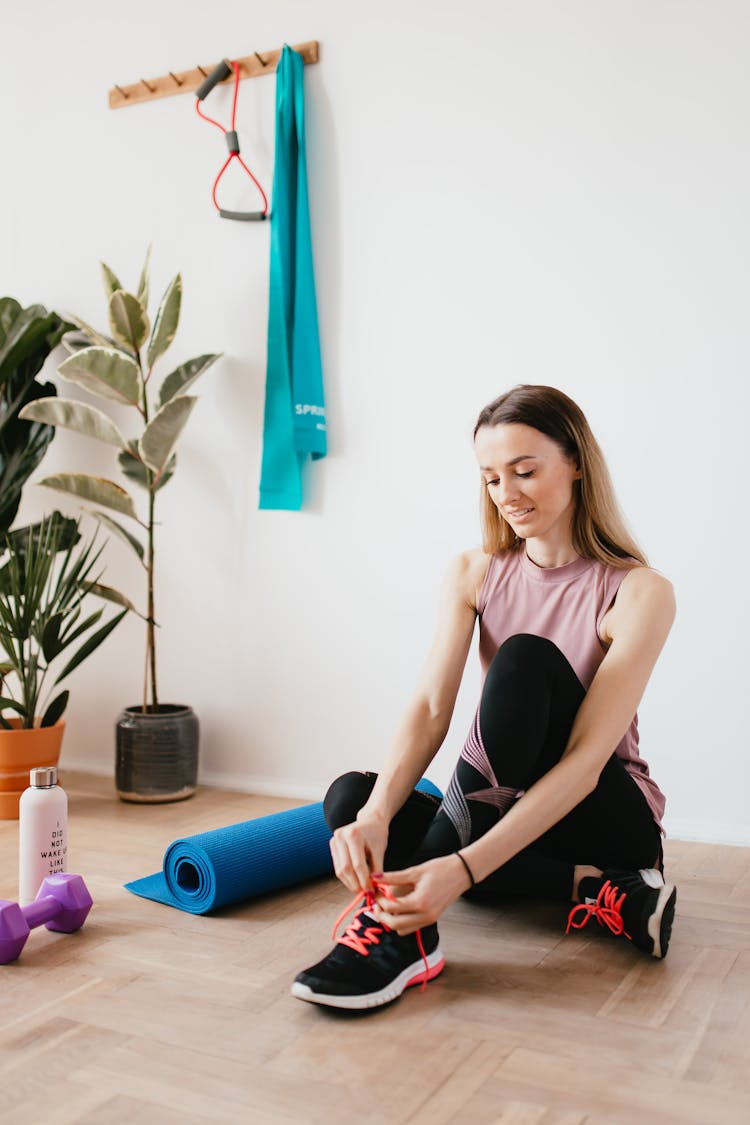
(413, 974)
(659, 928)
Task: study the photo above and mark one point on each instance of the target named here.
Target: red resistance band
(222, 71)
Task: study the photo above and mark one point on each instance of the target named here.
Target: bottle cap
(44, 777)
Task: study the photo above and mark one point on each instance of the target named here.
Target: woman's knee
(525, 650)
(346, 796)
(525, 660)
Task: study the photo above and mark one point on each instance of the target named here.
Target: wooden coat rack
(182, 82)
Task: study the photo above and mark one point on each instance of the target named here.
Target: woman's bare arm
(358, 848)
(427, 718)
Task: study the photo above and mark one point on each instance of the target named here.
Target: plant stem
(145, 681)
(151, 612)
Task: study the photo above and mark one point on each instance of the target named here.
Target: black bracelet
(468, 869)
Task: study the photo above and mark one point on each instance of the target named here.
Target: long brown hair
(599, 530)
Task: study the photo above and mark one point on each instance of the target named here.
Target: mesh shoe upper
(628, 905)
(366, 958)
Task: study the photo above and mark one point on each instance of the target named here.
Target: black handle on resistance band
(244, 216)
(218, 74)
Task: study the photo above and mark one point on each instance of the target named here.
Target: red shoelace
(359, 937)
(606, 910)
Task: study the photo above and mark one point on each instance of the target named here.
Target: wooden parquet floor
(153, 1016)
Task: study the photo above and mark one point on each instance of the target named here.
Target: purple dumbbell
(62, 904)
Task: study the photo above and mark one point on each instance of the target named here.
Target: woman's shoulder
(468, 571)
(642, 579)
(644, 596)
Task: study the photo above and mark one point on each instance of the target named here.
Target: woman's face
(529, 479)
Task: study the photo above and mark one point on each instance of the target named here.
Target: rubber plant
(120, 368)
(27, 337)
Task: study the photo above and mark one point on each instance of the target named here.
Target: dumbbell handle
(41, 910)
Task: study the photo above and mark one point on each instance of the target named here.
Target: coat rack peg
(186, 81)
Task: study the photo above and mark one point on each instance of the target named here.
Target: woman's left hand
(421, 893)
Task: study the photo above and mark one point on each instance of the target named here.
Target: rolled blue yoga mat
(229, 865)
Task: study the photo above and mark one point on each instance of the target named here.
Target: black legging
(529, 701)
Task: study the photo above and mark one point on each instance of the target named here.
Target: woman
(550, 797)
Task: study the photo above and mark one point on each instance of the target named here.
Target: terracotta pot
(21, 751)
(157, 754)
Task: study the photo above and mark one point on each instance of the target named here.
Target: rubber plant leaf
(143, 282)
(178, 381)
(135, 470)
(105, 372)
(132, 466)
(128, 320)
(91, 334)
(28, 336)
(96, 490)
(167, 319)
(168, 473)
(26, 339)
(55, 710)
(76, 341)
(109, 279)
(161, 434)
(67, 534)
(9, 310)
(120, 531)
(78, 416)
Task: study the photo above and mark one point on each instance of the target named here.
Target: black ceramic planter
(157, 753)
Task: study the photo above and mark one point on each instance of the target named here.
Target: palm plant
(42, 589)
(120, 368)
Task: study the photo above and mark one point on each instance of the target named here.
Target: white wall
(501, 192)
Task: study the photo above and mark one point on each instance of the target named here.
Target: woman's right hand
(358, 849)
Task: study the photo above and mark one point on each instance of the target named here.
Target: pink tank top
(566, 605)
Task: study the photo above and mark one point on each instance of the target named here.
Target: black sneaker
(370, 965)
(637, 904)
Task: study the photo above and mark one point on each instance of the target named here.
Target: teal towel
(294, 425)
